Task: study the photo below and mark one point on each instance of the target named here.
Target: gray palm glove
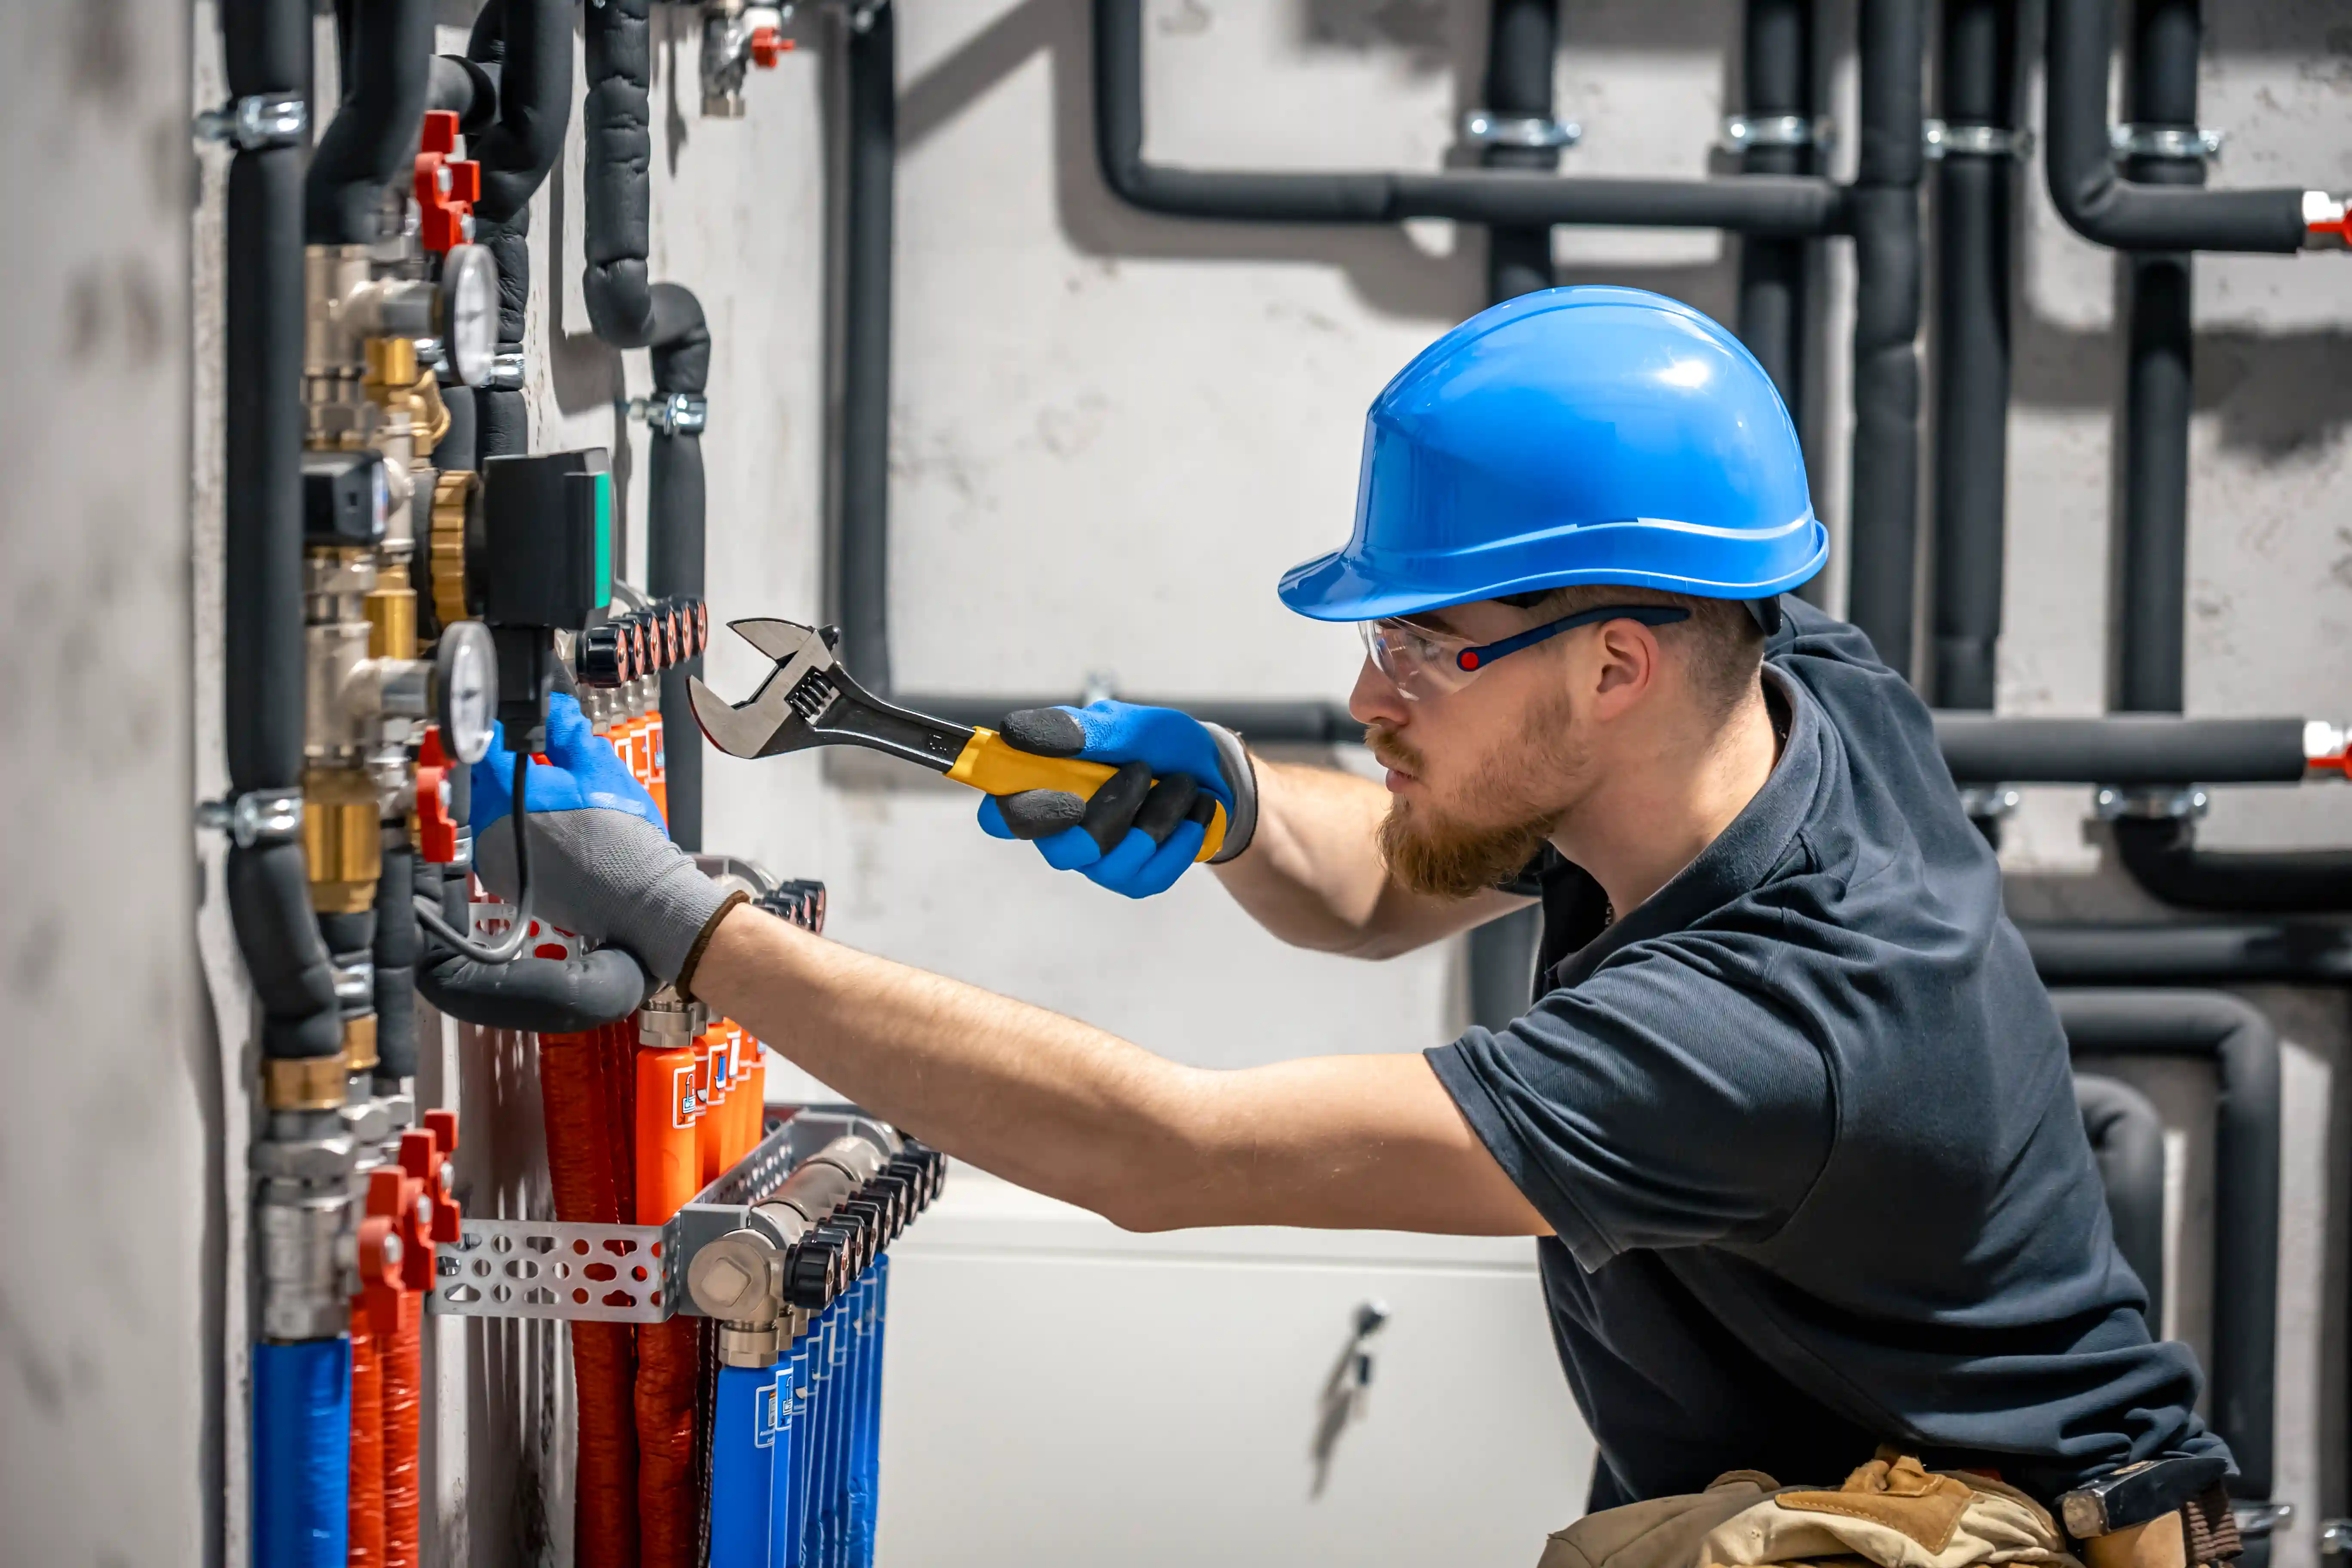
(602, 864)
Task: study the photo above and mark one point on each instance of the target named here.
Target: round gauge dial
(467, 666)
(469, 302)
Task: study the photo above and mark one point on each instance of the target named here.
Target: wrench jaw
(768, 724)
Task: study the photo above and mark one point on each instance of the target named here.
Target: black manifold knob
(603, 656)
(813, 1273)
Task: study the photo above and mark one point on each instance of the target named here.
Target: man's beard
(1443, 857)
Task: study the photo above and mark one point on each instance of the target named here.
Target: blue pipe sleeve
(859, 1548)
(784, 1519)
(301, 1453)
(837, 1400)
(870, 1445)
(742, 1436)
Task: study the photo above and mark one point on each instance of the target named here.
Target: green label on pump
(604, 540)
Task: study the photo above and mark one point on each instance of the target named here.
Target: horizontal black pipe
(2162, 856)
(1752, 204)
(2127, 1141)
(2236, 952)
(546, 995)
(2243, 1049)
(2121, 749)
(373, 138)
(265, 47)
(2101, 203)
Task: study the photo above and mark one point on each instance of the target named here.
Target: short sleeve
(1662, 1102)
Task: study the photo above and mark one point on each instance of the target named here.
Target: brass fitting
(302, 1083)
(342, 839)
(359, 1044)
(390, 608)
(455, 495)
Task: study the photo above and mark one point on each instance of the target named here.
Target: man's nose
(1377, 698)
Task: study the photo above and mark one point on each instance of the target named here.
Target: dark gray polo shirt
(1804, 1127)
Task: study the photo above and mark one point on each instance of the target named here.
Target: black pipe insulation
(1776, 76)
(2249, 952)
(466, 88)
(616, 183)
(674, 547)
(546, 995)
(397, 940)
(2162, 856)
(373, 138)
(2243, 1049)
(1882, 210)
(529, 44)
(2152, 546)
(1746, 204)
(870, 109)
(266, 50)
(1521, 46)
(2121, 749)
(2125, 210)
(1976, 208)
(2127, 1141)
(456, 452)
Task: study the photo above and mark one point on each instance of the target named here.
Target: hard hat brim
(1358, 584)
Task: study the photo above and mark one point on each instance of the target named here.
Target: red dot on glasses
(1466, 660)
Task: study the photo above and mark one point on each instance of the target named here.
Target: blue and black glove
(602, 863)
(1139, 831)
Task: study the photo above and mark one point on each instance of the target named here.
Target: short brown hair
(1724, 644)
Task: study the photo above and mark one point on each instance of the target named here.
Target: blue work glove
(1133, 835)
(602, 863)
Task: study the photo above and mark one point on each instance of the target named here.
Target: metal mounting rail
(628, 1273)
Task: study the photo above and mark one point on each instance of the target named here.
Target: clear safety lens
(1417, 661)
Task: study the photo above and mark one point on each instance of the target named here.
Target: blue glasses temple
(1470, 658)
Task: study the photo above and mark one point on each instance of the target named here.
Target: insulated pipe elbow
(466, 88)
(2240, 1042)
(293, 978)
(2098, 203)
(544, 995)
(2127, 1141)
(2162, 856)
(374, 130)
(530, 43)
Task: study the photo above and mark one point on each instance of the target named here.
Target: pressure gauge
(469, 306)
(466, 667)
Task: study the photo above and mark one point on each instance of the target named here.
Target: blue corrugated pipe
(792, 1429)
(742, 1437)
(301, 1453)
(867, 1486)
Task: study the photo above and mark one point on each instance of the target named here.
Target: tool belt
(1894, 1513)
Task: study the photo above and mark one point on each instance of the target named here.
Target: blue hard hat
(1583, 435)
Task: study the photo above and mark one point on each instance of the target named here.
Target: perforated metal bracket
(627, 1273)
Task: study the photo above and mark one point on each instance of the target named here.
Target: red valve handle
(447, 186)
(769, 44)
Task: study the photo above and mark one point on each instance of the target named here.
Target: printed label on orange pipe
(669, 1169)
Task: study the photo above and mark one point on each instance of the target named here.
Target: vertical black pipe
(1776, 73)
(387, 53)
(1975, 194)
(1882, 207)
(872, 111)
(531, 43)
(267, 53)
(2160, 91)
(1520, 46)
(675, 538)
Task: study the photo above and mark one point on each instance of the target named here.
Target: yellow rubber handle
(993, 765)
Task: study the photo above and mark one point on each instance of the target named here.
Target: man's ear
(1625, 666)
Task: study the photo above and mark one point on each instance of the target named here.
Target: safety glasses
(1421, 663)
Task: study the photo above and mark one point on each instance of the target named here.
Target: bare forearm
(1071, 1112)
(1313, 874)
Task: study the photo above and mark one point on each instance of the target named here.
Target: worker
(1789, 1114)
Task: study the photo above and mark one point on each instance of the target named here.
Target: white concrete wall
(110, 1101)
(1112, 431)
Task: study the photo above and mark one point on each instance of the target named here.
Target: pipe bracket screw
(506, 371)
(1485, 128)
(1939, 141)
(1988, 803)
(257, 817)
(679, 414)
(1741, 131)
(2196, 144)
(2151, 802)
(255, 123)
